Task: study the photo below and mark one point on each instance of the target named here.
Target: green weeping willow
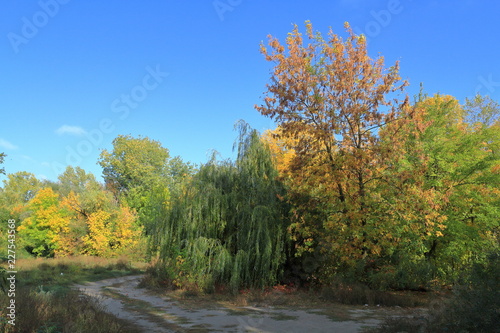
(227, 225)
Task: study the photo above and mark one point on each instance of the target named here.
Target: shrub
(157, 276)
(474, 307)
(476, 304)
(360, 294)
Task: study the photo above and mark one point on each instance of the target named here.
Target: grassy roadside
(60, 273)
(336, 301)
(46, 303)
(286, 295)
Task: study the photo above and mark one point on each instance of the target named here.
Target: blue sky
(75, 74)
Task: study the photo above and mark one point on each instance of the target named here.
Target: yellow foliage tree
(110, 230)
(43, 231)
(113, 233)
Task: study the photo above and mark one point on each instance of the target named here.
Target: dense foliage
(388, 193)
(228, 226)
(356, 182)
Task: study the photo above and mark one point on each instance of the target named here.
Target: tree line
(356, 182)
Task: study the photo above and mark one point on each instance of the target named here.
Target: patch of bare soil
(162, 313)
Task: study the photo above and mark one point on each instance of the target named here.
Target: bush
(476, 304)
(123, 265)
(360, 294)
(474, 307)
(157, 276)
(407, 275)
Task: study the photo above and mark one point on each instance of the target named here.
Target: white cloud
(71, 130)
(24, 158)
(7, 145)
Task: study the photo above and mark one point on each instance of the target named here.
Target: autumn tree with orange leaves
(329, 99)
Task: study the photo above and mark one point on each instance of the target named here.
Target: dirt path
(154, 313)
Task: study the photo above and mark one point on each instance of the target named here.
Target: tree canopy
(134, 163)
(355, 183)
(375, 182)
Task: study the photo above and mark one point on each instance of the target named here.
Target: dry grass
(46, 303)
(59, 273)
(84, 262)
(49, 313)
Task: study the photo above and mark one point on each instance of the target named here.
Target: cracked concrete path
(156, 313)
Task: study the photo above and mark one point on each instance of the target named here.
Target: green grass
(71, 270)
(46, 303)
